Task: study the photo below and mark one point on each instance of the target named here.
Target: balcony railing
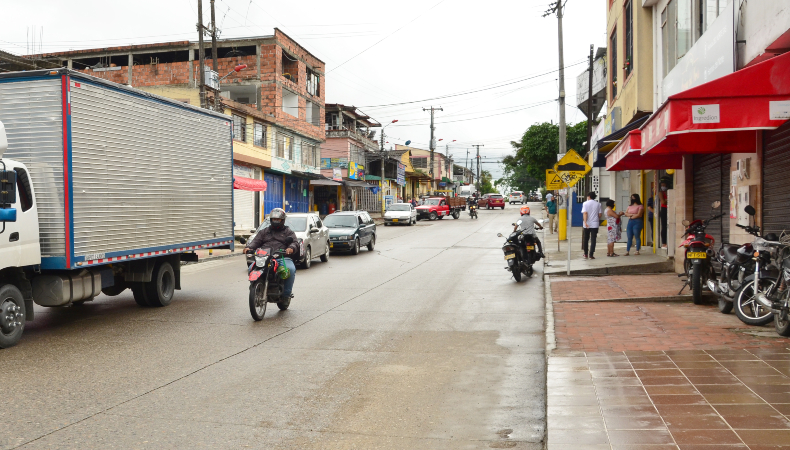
(345, 133)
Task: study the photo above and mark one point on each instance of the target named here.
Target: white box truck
(102, 188)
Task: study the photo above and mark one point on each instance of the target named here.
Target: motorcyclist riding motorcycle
(528, 224)
(276, 236)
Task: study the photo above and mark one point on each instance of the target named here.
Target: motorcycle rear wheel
(284, 304)
(725, 307)
(747, 308)
(516, 274)
(258, 291)
(696, 284)
(782, 326)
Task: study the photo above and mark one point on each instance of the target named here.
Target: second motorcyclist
(275, 236)
(529, 225)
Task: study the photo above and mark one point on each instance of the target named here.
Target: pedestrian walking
(650, 213)
(662, 213)
(636, 222)
(591, 214)
(613, 228)
(551, 211)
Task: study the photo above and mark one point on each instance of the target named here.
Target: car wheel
(433, 215)
(355, 250)
(325, 256)
(308, 256)
(372, 243)
(503, 206)
(412, 221)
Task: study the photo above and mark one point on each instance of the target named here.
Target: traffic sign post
(571, 168)
(553, 181)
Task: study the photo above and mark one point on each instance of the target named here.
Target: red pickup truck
(439, 207)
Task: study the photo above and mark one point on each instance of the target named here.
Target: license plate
(510, 256)
(331, 245)
(394, 220)
(530, 247)
(696, 255)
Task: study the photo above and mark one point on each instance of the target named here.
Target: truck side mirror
(8, 215)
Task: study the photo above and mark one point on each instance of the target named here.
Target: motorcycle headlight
(260, 261)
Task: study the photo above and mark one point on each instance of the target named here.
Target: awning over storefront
(723, 115)
(627, 155)
(248, 184)
(352, 183)
(324, 182)
(308, 175)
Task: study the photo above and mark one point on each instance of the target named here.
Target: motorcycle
(267, 277)
(520, 253)
(698, 267)
(473, 211)
(780, 301)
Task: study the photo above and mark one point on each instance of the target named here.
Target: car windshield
(399, 208)
(340, 221)
(296, 224)
(432, 201)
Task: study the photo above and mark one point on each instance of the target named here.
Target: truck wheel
(456, 215)
(12, 315)
(159, 291)
(433, 215)
(138, 291)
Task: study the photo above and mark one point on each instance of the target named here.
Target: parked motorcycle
(267, 277)
(520, 253)
(780, 300)
(697, 263)
(473, 211)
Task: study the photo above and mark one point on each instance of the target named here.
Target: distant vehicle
(517, 197)
(313, 237)
(466, 191)
(349, 230)
(490, 201)
(440, 207)
(571, 167)
(400, 214)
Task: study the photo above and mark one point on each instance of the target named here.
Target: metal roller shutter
(776, 182)
(711, 183)
(243, 210)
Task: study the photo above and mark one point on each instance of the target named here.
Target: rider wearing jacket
(275, 237)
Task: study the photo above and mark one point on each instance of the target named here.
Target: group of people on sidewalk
(592, 215)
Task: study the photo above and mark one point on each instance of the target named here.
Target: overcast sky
(430, 48)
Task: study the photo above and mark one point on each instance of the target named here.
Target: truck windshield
(340, 221)
(399, 208)
(432, 201)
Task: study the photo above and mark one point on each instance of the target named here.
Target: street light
(382, 133)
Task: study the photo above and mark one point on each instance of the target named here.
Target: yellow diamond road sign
(571, 168)
(553, 181)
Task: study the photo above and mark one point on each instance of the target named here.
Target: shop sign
(356, 171)
(705, 114)
(281, 164)
(331, 163)
(243, 171)
(337, 174)
(779, 110)
(401, 174)
(388, 199)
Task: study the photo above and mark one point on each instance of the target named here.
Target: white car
(312, 234)
(400, 214)
(517, 197)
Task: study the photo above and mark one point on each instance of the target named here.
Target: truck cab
(433, 208)
(19, 243)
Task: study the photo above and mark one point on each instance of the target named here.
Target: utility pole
(201, 55)
(589, 102)
(478, 166)
(432, 145)
(214, 66)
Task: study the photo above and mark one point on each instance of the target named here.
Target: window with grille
(629, 39)
(419, 163)
(259, 137)
(285, 147)
(310, 155)
(613, 51)
(239, 128)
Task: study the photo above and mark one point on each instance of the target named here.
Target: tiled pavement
(655, 376)
(616, 287)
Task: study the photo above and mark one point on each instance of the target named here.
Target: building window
(259, 136)
(312, 113)
(285, 147)
(684, 32)
(290, 103)
(708, 11)
(628, 65)
(290, 67)
(239, 128)
(310, 155)
(313, 82)
(668, 32)
(613, 47)
(419, 163)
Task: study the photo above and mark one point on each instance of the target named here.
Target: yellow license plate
(394, 220)
(331, 245)
(530, 247)
(696, 255)
(510, 256)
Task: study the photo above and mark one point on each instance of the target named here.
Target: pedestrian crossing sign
(553, 181)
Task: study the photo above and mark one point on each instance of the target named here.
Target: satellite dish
(407, 143)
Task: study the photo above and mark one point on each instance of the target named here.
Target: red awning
(627, 155)
(723, 115)
(248, 184)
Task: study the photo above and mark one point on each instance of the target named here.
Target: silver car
(313, 237)
(400, 214)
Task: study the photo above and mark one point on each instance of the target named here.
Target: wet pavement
(425, 342)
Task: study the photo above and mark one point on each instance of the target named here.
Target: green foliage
(486, 186)
(537, 151)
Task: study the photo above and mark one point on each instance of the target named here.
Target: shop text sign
(705, 114)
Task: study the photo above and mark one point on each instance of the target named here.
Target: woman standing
(613, 230)
(636, 216)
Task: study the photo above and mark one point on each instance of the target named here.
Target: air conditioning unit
(212, 78)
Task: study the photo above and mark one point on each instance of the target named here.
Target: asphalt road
(424, 343)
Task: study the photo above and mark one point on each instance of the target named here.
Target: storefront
(326, 196)
(247, 190)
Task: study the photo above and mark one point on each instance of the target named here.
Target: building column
(130, 65)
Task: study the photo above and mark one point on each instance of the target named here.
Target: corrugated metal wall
(273, 196)
(712, 183)
(31, 111)
(146, 173)
(776, 182)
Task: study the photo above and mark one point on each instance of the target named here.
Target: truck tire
(456, 214)
(138, 291)
(159, 291)
(433, 215)
(12, 315)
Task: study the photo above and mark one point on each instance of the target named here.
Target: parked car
(490, 201)
(517, 197)
(400, 214)
(349, 230)
(312, 234)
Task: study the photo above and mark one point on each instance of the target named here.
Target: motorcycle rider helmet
(277, 219)
(525, 210)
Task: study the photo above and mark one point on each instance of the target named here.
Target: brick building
(277, 104)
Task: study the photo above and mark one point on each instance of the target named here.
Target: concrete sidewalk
(556, 257)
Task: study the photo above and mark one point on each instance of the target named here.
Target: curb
(551, 339)
(669, 299)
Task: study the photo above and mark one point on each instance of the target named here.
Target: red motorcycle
(699, 253)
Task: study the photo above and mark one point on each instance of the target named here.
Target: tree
(537, 151)
(485, 183)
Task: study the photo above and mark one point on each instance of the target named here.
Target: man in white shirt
(591, 212)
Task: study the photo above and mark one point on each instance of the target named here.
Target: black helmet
(771, 237)
(277, 219)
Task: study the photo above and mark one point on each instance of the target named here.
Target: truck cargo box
(118, 173)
